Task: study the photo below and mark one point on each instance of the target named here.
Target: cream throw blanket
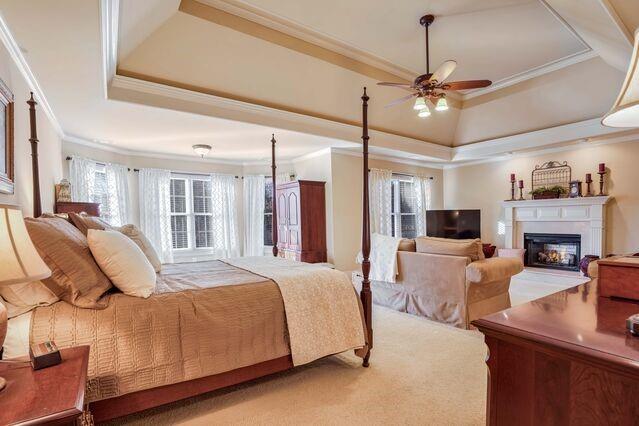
(321, 305)
(383, 257)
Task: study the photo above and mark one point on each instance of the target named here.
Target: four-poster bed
(126, 403)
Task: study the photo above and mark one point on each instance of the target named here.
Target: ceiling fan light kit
(442, 105)
(433, 86)
(423, 113)
(420, 103)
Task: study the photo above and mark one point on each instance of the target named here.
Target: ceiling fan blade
(385, 83)
(400, 100)
(444, 71)
(465, 85)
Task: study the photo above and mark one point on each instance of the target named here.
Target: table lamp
(19, 260)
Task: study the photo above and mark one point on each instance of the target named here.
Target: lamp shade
(625, 111)
(19, 260)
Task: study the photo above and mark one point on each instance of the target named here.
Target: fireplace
(553, 251)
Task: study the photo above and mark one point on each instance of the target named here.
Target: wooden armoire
(301, 221)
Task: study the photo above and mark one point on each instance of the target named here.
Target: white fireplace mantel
(569, 214)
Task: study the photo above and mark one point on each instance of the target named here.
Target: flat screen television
(457, 224)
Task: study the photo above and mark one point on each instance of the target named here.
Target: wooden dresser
(301, 221)
(564, 359)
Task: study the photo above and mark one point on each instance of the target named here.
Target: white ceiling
(493, 39)
(67, 64)
(490, 39)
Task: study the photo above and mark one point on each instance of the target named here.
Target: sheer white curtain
(254, 188)
(422, 186)
(117, 196)
(155, 210)
(104, 183)
(224, 216)
(82, 178)
(380, 189)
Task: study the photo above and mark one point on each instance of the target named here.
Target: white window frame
(395, 211)
(191, 251)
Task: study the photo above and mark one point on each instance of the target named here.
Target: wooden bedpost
(37, 203)
(365, 294)
(273, 173)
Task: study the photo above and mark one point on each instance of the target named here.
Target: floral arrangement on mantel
(545, 193)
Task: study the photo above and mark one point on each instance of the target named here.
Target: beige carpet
(421, 373)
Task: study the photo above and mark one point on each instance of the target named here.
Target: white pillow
(23, 297)
(123, 262)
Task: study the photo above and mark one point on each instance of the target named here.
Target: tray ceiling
(491, 39)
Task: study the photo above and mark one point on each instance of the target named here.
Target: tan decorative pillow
(85, 222)
(145, 245)
(123, 262)
(468, 248)
(75, 277)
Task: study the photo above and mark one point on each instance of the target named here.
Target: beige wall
(319, 168)
(485, 186)
(48, 148)
(347, 202)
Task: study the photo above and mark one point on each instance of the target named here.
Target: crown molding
(21, 63)
(307, 34)
(534, 72)
(389, 158)
(202, 102)
(623, 137)
(109, 24)
(103, 146)
(534, 139)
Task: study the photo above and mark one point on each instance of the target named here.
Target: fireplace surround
(583, 216)
(553, 251)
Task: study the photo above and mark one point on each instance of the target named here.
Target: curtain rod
(96, 162)
(409, 175)
(181, 173)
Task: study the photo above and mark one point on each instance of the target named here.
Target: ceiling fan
(433, 86)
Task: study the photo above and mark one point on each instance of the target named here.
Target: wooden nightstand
(53, 395)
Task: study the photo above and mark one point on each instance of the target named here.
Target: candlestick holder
(588, 189)
(512, 191)
(521, 194)
(601, 183)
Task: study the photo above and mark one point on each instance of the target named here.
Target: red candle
(588, 178)
(521, 184)
(602, 168)
(512, 177)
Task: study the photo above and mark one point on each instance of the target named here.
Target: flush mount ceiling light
(201, 149)
(625, 111)
(433, 86)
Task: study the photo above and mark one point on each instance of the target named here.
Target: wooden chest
(619, 277)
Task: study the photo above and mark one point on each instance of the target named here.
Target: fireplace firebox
(554, 251)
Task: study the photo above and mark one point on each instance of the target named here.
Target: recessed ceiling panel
(491, 39)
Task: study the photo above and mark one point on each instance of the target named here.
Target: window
(403, 207)
(268, 211)
(191, 219)
(100, 192)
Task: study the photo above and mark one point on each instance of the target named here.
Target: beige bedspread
(322, 308)
(204, 319)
